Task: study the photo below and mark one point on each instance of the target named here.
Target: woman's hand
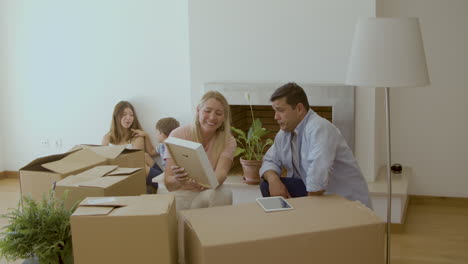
(139, 133)
(179, 174)
(185, 183)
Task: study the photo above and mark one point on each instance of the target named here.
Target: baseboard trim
(439, 201)
(9, 174)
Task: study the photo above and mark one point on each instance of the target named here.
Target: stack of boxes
(40, 175)
(115, 221)
(116, 224)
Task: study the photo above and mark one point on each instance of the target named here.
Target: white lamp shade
(387, 52)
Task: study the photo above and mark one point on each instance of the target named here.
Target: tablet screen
(276, 203)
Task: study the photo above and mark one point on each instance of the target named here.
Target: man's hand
(277, 188)
(275, 185)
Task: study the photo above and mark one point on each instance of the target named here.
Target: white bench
(241, 192)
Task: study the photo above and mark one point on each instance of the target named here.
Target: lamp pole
(389, 174)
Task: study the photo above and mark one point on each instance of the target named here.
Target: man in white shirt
(317, 158)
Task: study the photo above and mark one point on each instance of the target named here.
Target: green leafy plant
(252, 145)
(38, 229)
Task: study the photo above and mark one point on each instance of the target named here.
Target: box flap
(128, 150)
(89, 175)
(70, 181)
(123, 171)
(132, 205)
(109, 152)
(105, 201)
(310, 214)
(97, 171)
(75, 161)
(46, 159)
(93, 210)
(155, 204)
(102, 182)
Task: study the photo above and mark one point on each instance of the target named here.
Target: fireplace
(333, 102)
(242, 117)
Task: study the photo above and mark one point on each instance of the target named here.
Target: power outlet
(45, 143)
(58, 143)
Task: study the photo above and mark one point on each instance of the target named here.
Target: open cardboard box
(138, 229)
(117, 155)
(102, 181)
(325, 229)
(39, 176)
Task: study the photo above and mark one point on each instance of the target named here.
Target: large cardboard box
(40, 175)
(326, 229)
(102, 181)
(138, 229)
(118, 155)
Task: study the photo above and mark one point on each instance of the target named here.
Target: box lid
(102, 182)
(123, 171)
(99, 177)
(126, 205)
(97, 171)
(75, 161)
(108, 152)
(310, 214)
(39, 161)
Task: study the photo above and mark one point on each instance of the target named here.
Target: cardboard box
(118, 155)
(326, 229)
(39, 176)
(139, 229)
(101, 181)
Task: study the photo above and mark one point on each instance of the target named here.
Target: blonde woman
(212, 129)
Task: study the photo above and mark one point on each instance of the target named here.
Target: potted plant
(252, 147)
(38, 231)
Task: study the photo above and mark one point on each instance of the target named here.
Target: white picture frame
(192, 157)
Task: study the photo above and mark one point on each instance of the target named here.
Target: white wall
(69, 62)
(365, 131)
(430, 124)
(279, 41)
(271, 40)
(2, 85)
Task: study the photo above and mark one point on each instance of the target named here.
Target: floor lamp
(387, 52)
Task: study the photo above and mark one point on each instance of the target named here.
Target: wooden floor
(436, 232)
(9, 196)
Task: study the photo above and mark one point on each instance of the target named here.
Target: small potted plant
(252, 147)
(38, 231)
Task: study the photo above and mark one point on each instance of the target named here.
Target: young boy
(163, 128)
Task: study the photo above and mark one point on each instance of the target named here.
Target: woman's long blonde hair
(223, 133)
(117, 132)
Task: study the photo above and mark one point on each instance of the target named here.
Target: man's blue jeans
(296, 187)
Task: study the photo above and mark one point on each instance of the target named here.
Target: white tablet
(275, 203)
(192, 157)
